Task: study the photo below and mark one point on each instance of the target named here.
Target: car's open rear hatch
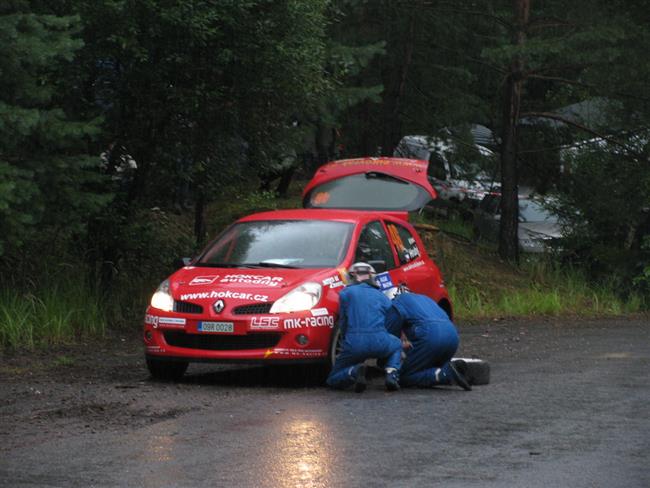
(389, 184)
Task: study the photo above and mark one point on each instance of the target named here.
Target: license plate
(227, 327)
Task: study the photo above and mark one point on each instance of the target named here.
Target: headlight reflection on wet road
(302, 455)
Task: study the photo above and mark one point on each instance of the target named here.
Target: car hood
(540, 230)
(242, 286)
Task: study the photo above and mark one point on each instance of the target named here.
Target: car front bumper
(299, 336)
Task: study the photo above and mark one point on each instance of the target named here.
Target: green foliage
(202, 92)
(604, 204)
(552, 291)
(46, 176)
(61, 309)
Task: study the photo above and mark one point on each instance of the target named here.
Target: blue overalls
(362, 316)
(433, 336)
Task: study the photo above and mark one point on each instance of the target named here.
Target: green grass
(482, 286)
(57, 313)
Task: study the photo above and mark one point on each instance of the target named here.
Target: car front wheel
(335, 345)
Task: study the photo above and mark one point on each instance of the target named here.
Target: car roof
(323, 214)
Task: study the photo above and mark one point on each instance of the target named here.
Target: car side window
(404, 242)
(374, 248)
(437, 166)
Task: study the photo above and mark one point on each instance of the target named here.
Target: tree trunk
(393, 122)
(199, 218)
(508, 242)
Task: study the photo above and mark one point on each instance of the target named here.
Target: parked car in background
(458, 173)
(267, 289)
(538, 229)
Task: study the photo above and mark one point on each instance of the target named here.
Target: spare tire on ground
(477, 371)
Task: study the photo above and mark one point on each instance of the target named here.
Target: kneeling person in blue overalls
(434, 341)
(362, 317)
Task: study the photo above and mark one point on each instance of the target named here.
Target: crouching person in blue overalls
(362, 317)
(434, 341)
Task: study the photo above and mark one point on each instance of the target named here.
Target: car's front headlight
(305, 297)
(162, 299)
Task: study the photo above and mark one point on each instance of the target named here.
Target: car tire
(166, 370)
(335, 346)
(477, 371)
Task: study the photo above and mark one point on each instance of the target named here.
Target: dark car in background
(539, 228)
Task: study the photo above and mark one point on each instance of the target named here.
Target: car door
(412, 268)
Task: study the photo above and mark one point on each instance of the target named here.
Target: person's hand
(406, 344)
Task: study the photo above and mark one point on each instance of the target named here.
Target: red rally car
(267, 288)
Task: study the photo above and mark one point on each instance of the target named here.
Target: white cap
(361, 271)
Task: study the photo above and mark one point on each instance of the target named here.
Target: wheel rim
(337, 345)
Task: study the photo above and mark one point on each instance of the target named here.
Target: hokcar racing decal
(333, 281)
(320, 198)
(171, 321)
(168, 322)
(225, 294)
(384, 281)
(396, 238)
(300, 322)
(284, 351)
(203, 280)
(151, 320)
(343, 273)
(265, 323)
(381, 162)
(317, 312)
(413, 265)
(253, 280)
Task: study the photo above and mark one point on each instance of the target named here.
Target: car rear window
(368, 191)
(281, 243)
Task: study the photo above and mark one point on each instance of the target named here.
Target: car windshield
(532, 211)
(371, 191)
(280, 244)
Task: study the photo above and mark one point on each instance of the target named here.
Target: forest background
(132, 130)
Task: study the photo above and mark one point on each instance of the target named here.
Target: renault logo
(219, 305)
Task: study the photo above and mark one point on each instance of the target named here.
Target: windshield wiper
(269, 264)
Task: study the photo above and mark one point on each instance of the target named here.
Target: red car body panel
(247, 295)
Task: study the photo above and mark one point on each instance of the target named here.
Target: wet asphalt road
(568, 406)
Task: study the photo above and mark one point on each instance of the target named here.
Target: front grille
(187, 307)
(221, 342)
(255, 308)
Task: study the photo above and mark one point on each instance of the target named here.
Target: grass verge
(483, 286)
(56, 313)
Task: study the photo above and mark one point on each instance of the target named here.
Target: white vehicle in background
(539, 229)
(456, 172)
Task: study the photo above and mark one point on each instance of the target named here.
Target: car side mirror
(181, 262)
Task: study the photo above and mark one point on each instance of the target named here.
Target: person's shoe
(392, 381)
(457, 369)
(360, 381)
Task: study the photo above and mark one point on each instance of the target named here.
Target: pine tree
(46, 175)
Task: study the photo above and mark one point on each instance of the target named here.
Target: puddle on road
(303, 455)
(616, 355)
